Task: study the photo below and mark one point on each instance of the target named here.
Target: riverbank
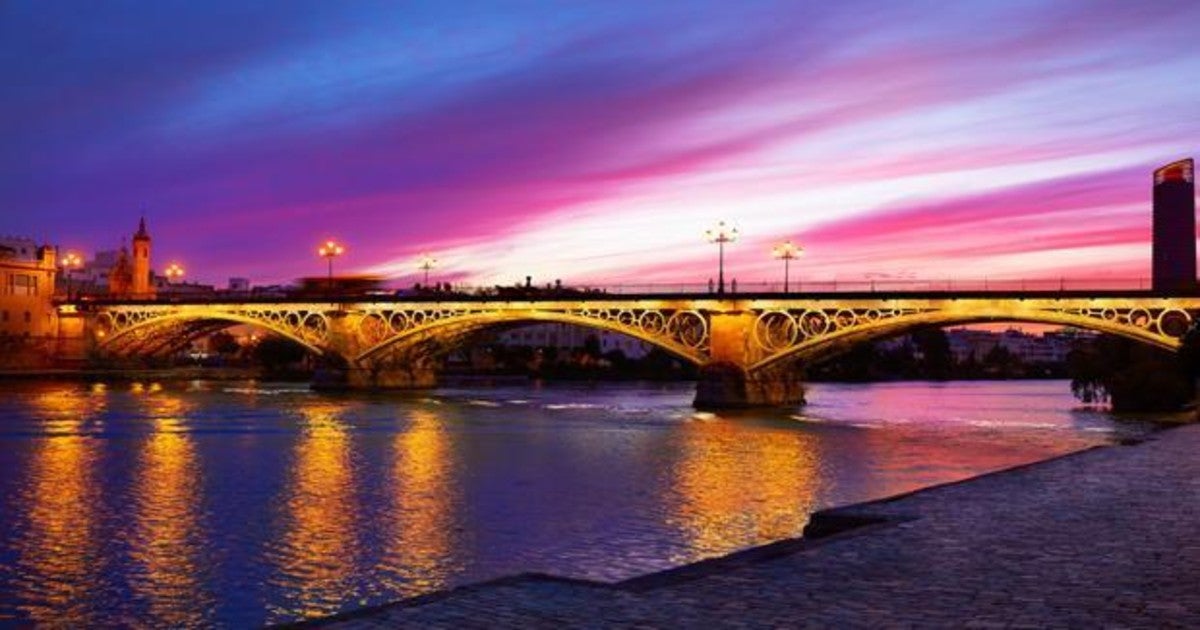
(1099, 537)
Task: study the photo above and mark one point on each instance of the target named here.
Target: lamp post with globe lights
(70, 262)
(173, 272)
(787, 252)
(720, 234)
(427, 262)
(329, 251)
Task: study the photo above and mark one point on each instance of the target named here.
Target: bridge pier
(345, 379)
(728, 386)
(392, 377)
(71, 344)
(337, 374)
(390, 370)
(725, 382)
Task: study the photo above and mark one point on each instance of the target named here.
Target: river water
(243, 503)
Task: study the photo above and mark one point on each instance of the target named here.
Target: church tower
(140, 285)
(120, 275)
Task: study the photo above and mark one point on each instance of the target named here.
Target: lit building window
(22, 284)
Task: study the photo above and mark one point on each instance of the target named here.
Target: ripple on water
(246, 503)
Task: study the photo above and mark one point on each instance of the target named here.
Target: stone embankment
(1108, 537)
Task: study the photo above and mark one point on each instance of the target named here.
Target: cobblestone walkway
(1104, 538)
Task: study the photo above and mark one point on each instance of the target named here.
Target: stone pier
(726, 383)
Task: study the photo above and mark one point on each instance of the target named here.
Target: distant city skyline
(595, 142)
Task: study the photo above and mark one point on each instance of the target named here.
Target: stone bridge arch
(401, 345)
(786, 336)
(155, 330)
(682, 333)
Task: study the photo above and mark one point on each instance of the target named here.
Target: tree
(591, 346)
(659, 364)
(1000, 362)
(1088, 374)
(277, 353)
(969, 366)
(223, 343)
(860, 363)
(616, 358)
(936, 361)
(1189, 352)
(1133, 376)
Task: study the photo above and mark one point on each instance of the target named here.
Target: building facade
(568, 337)
(27, 277)
(1050, 347)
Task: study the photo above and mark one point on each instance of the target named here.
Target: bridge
(748, 346)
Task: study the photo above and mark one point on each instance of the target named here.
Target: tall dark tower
(1175, 227)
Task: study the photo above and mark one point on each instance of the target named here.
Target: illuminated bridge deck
(603, 296)
(744, 344)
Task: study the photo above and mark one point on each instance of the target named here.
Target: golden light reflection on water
(58, 551)
(166, 543)
(420, 547)
(318, 549)
(67, 410)
(734, 487)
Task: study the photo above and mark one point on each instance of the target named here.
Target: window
(22, 284)
(28, 317)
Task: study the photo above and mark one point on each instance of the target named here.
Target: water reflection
(912, 435)
(58, 553)
(239, 504)
(732, 487)
(166, 543)
(317, 553)
(419, 549)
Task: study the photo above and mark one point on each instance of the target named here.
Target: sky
(594, 141)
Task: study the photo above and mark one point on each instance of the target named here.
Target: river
(244, 503)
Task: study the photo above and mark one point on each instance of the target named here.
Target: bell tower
(140, 285)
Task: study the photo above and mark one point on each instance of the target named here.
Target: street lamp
(329, 251)
(720, 234)
(427, 262)
(173, 272)
(786, 252)
(70, 263)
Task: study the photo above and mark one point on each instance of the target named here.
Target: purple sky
(595, 141)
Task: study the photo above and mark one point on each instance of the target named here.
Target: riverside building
(27, 275)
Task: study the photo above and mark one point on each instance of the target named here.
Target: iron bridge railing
(796, 289)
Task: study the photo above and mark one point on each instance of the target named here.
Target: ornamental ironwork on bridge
(754, 332)
(154, 328)
(815, 330)
(680, 330)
